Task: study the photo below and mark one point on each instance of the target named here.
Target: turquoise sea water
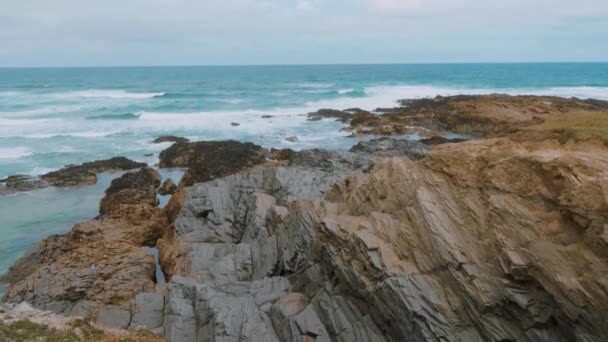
(52, 117)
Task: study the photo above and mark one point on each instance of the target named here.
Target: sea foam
(111, 94)
(14, 152)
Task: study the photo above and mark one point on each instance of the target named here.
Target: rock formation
(502, 238)
(98, 267)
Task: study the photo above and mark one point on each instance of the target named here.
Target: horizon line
(289, 64)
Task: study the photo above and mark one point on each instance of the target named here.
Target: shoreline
(317, 197)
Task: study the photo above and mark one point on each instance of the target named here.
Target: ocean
(50, 117)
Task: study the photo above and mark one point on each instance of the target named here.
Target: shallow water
(52, 117)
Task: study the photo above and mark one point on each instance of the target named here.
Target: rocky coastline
(502, 236)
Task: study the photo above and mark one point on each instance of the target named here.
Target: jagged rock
(170, 138)
(389, 256)
(168, 188)
(207, 160)
(292, 139)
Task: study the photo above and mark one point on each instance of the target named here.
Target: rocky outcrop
(207, 160)
(71, 175)
(476, 115)
(478, 241)
(99, 267)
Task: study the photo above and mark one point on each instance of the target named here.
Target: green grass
(27, 331)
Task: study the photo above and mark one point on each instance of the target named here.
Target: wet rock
(292, 139)
(234, 124)
(267, 116)
(170, 138)
(20, 183)
(342, 116)
(86, 174)
(168, 188)
(207, 160)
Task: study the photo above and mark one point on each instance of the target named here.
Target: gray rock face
(244, 270)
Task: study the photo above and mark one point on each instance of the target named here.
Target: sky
(226, 32)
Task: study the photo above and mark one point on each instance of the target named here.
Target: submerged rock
(170, 138)
(20, 183)
(71, 175)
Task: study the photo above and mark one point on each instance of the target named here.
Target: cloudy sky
(200, 32)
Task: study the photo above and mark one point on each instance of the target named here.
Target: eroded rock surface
(490, 240)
